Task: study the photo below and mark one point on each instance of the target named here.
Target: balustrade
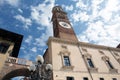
(18, 61)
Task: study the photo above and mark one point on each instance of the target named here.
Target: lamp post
(40, 71)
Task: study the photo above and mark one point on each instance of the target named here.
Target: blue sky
(94, 21)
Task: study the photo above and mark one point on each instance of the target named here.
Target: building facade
(74, 60)
(9, 45)
(10, 65)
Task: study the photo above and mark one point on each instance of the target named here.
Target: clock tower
(61, 25)
(75, 60)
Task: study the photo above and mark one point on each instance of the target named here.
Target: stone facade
(10, 65)
(78, 53)
(4, 56)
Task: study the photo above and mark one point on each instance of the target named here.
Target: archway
(17, 72)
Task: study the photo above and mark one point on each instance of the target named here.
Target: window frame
(101, 78)
(109, 64)
(85, 78)
(88, 56)
(69, 78)
(62, 54)
(66, 61)
(90, 63)
(114, 78)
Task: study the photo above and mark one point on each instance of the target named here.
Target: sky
(94, 21)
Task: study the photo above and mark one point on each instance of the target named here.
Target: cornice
(97, 46)
(78, 43)
(54, 39)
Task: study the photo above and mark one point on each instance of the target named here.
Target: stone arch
(15, 73)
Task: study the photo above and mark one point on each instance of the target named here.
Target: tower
(61, 25)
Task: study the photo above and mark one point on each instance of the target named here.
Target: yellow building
(9, 45)
(74, 60)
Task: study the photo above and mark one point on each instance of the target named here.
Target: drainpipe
(80, 50)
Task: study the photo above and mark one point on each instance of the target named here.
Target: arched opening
(18, 78)
(17, 72)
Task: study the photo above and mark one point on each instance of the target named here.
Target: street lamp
(40, 70)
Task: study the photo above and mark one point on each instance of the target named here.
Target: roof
(118, 46)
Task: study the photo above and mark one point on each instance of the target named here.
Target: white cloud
(108, 12)
(34, 49)
(75, 17)
(99, 33)
(10, 2)
(68, 8)
(41, 41)
(20, 10)
(30, 56)
(103, 22)
(81, 5)
(13, 2)
(28, 52)
(83, 16)
(80, 16)
(42, 13)
(40, 28)
(74, 0)
(26, 21)
(29, 39)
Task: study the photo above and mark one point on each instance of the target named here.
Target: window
(114, 79)
(109, 64)
(4, 47)
(90, 63)
(85, 78)
(70, 78)
(66, 61)
(111, 68)
(101, 78)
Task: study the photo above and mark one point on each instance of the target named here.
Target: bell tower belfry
(61, 25)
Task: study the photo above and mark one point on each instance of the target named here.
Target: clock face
(64, 24)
